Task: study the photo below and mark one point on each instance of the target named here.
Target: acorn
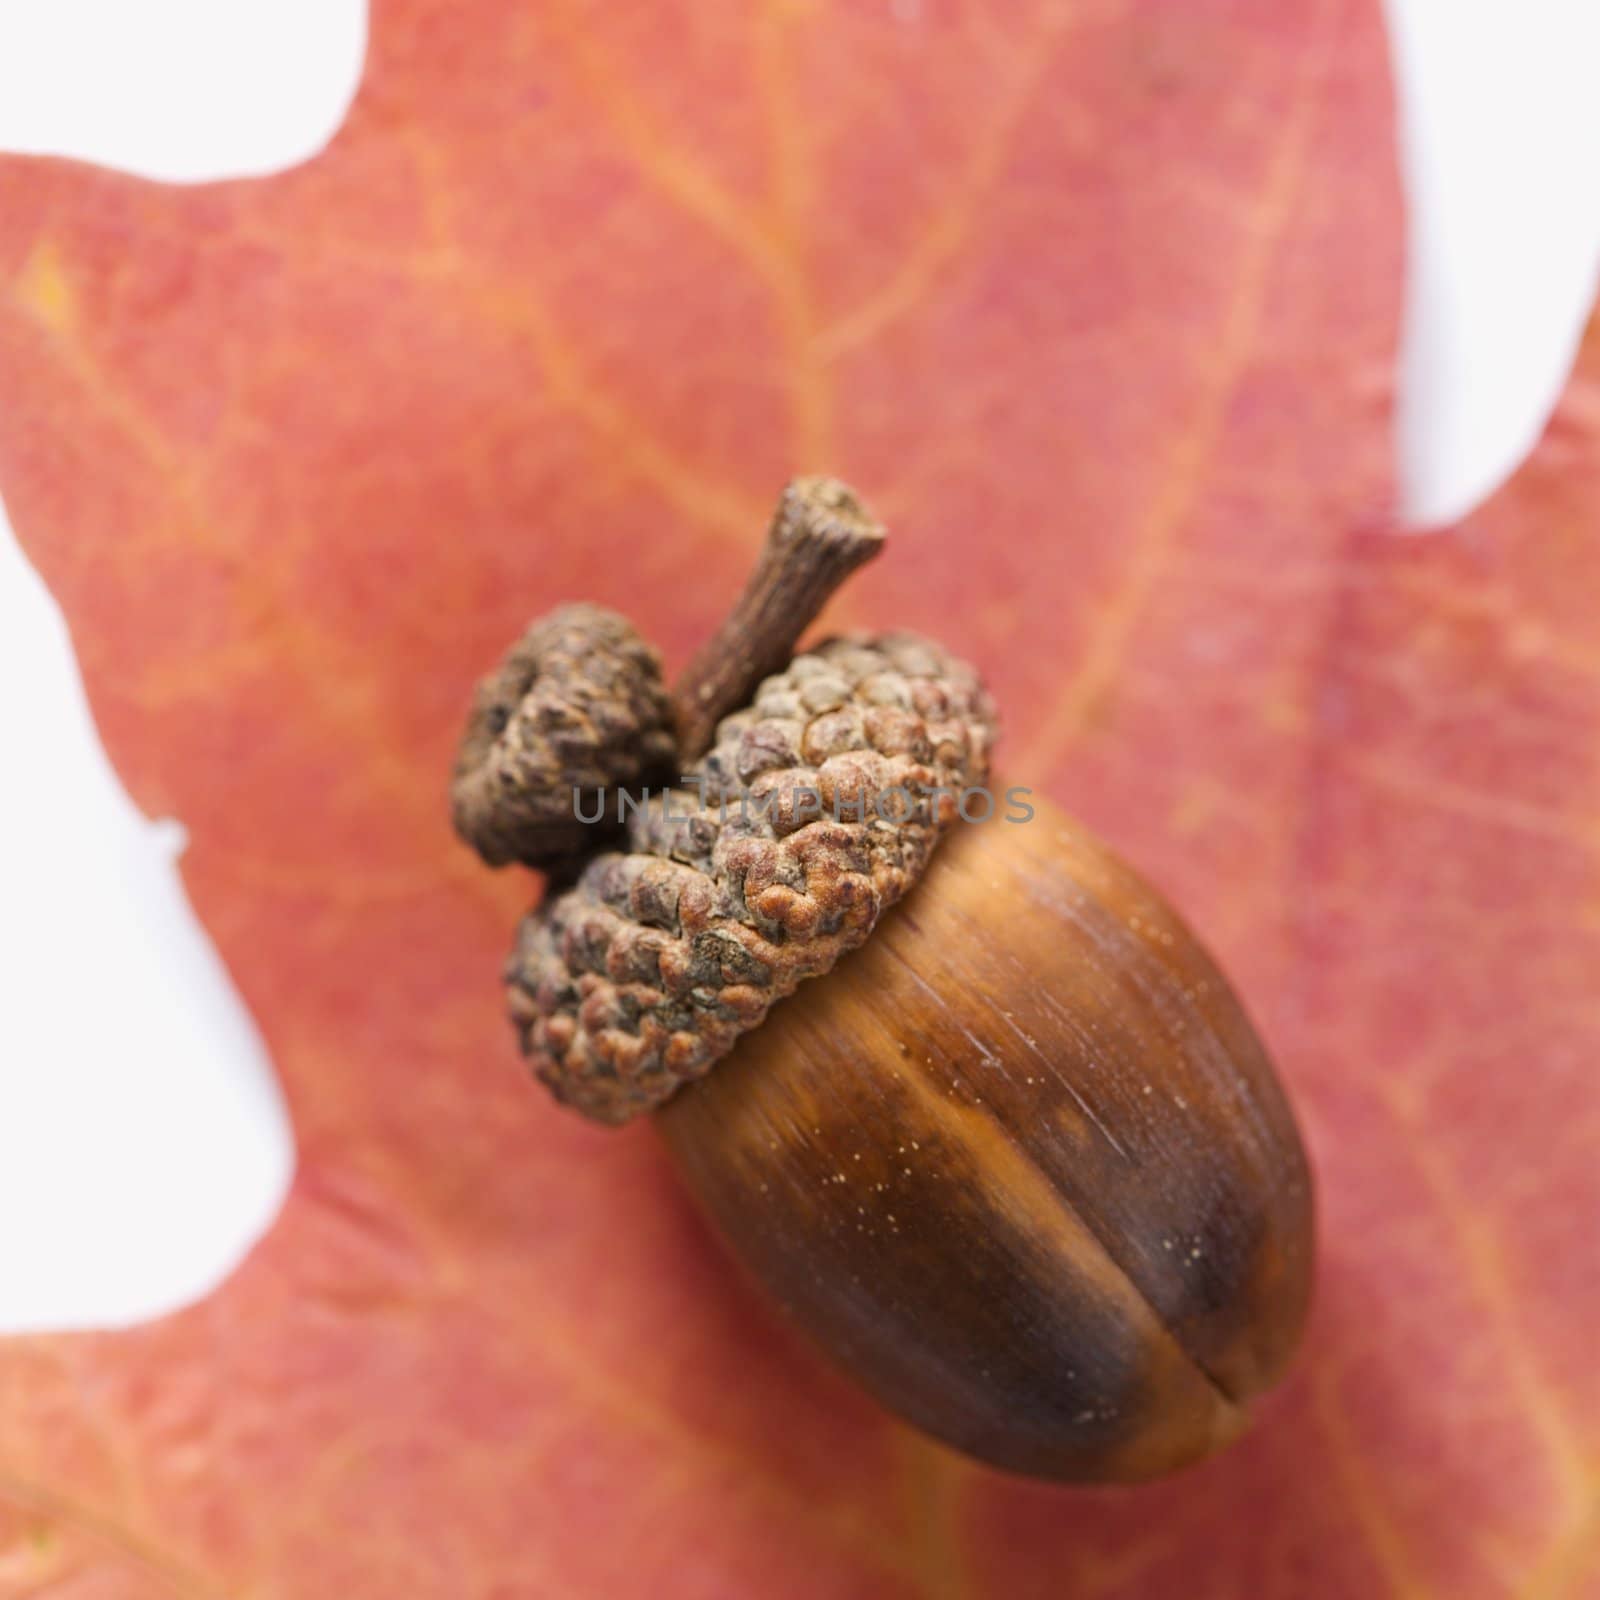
(957, 1086)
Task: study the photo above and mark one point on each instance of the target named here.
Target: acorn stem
(820, 534)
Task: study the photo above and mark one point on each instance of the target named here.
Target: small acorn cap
(576, 710)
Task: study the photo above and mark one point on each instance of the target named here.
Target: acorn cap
(816, 809)
(576, 708)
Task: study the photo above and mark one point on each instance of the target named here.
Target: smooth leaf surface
(1096, 303)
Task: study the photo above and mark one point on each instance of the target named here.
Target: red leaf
(1096, 304)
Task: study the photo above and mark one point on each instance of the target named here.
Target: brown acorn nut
(1019, 1163)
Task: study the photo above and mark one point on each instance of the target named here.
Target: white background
(143, 1143)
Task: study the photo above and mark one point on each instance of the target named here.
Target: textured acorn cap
(576, 708)
(816, 810)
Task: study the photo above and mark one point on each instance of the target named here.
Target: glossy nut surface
(1021, 1166)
